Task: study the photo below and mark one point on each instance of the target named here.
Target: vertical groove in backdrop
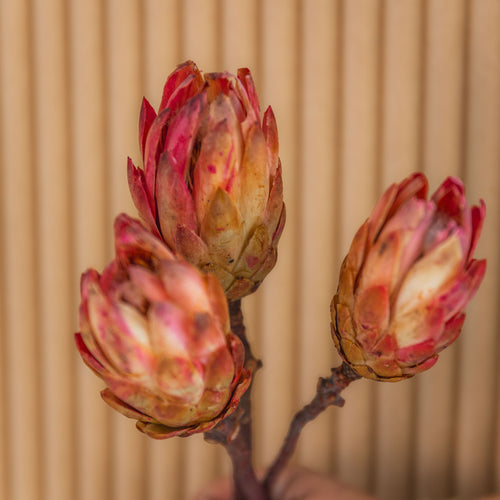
(442, 156)
(22, 361)
(478, 378)
(90, 229)
(200, 33)
(278, 294)
(54, 250)
(4, 456)
(318, 219)
(359, 163)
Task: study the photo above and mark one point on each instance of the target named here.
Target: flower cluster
(155, 324)
(211, 185)
(406, 279)
(156, 330)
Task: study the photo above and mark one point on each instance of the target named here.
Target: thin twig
(327, 394)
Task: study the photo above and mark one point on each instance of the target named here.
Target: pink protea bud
(407, 278)
(156, 330)
(211, 185)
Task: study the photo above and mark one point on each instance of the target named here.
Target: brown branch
(235, 431)
(327, 394)
(230, 434)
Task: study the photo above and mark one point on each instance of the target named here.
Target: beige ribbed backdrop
(365, 92)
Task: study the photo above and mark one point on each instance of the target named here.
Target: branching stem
(235, 431)
(327, 394)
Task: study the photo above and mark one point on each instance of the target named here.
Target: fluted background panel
(365, 92)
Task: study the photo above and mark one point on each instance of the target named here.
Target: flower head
(211, 185)
(157, 332)
(407, 278)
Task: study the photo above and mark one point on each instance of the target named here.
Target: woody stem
(235, 431)
(327, 393)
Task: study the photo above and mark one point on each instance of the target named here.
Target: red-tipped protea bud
(406, 280)
(156, 330)
(211, 185)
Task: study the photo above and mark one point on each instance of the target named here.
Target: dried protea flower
(156, 330)
(406, 280)
(211, 185)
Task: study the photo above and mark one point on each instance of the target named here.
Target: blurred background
(365, 92)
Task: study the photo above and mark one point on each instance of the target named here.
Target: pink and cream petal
(222, 230)
(428, 275)
(181, 72)
(187, 83)
(251, 257)
(268, 261)
(352, 265)
(379, 213)
(218, 302)
(191, 246)
(216, 167)
(175, 372)
(455, 297)
(451, 331)
(181, 134)
(270, 130)
(417, 326)
(133, 241)
(154, 148)
(88, 357)
(414, 186)
(184, 285)
(219, 371)
(274, 207)
(478, 213)
(239, 287)
(120, 334)
(371, 313)
(148, 283)
(140, 197)
(174, 202)
(279, 228)
(422, 367)
(254, 175)
(124, 408)
(159, 431)
(146, 119)
(245, 78)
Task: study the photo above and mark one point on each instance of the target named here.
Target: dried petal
(156, 330)
(208, 137)
(406, 279)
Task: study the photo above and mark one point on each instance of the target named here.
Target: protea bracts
(156, 330)
(211, 185)
(406, 279)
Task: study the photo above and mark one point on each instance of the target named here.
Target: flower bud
(211, 185)
(157, 332)
(407, 278)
